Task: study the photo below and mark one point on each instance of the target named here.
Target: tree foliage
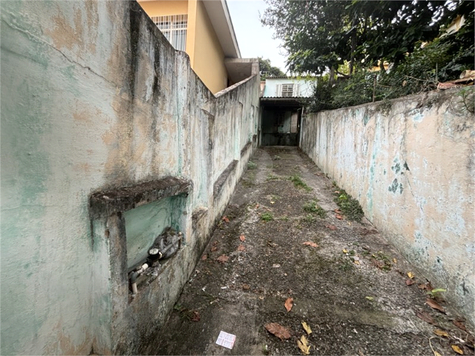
(328, 37)
(321, 35)
(267, 70)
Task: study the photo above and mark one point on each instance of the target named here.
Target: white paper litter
(226, 340)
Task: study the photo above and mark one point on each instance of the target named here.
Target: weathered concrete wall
(411, 165)
(94, 99)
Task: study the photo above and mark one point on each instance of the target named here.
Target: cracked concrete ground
(345, 279)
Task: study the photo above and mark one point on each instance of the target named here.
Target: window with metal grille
(287, 90)
(174, 28)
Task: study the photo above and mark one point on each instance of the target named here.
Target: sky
(254, 39)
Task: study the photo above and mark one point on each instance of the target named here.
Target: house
(204, 30)
(282, 102)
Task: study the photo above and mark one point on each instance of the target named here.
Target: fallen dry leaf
(409, 282)
(376, 263)
(331, 227)
(394, 260)
(195, 316)
(345, 250)
(440, 332)
(457, 349)
(246, 287)
(310, 243)
(204, 257)
(306, 327)
(222, 258)
(460, 325)
(225, 219)
(434, 305)
(339, 217)
(278, 330)
(425, 316)
(242, 238)
(303, 345)
(410, 275)
(338, 211)
(213, 248)
(241, 248)
(289, 303)
(426, 286)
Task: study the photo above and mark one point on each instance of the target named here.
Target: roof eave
(220, 18)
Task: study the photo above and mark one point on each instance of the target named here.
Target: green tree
(320, 35)
(267, 70)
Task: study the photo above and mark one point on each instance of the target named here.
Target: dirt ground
(344, 279)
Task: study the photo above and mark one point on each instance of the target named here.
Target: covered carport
(280, 121)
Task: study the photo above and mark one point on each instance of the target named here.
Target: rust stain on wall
(66, 35)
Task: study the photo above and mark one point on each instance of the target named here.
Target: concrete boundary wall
(101, 116)
(411, 164)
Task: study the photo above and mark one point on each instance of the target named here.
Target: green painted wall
(94, 98)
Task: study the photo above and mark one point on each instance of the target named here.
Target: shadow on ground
(284, 238)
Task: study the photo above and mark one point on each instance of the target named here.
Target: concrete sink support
(126, 327)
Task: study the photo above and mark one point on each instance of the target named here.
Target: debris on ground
(279, 262)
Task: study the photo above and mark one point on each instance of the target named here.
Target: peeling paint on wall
(412, 169)
(97, 99)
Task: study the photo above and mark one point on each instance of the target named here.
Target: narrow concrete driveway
(284, 254)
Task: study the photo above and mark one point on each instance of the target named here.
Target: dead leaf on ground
(278, 330)
(345, 250)
(306, 327)
(377, 263)
(331, 227)
(303, 345)
(225, 219)
(457, 349)
(204, 257)
(242, 238)
(409, 282)
(410, 275)
(222, 258)
(310, 243)
(241, 248)
(460, 325)
(246, 287)
(339, 217)
(365, 232)
(213, 248)
(440, 332)
(425, 316)
(434, 305)
(289, 303)
(338, 211)
(426, 286)
(195, 316)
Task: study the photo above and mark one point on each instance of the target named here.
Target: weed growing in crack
(251, 165)
(309, 219)
(267, 217)
(272, 177)
(382, 261)
(345, 263)
(349, 206)
(299, 183)
(312, 207)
